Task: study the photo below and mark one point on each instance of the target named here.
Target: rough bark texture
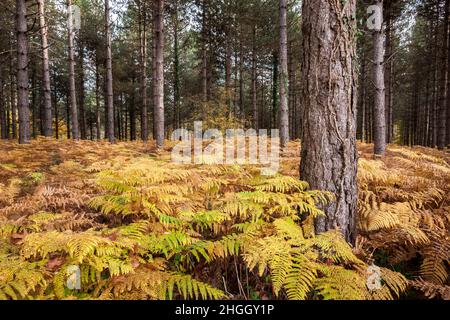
(378, 80)
(97, 96)
(47, 121)
(109, 76)
(284, 110)
(328, 98)
(176, 70)
(22, 72)
(158, 76)
(73, 95)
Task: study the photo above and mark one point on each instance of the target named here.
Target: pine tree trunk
(275, 109)
(3, 125)
(442, 107)
(378, 80)
(204, 54)
(13, 98)
(284, 111)
(254, 82)
(143, 55)
(176, 71)
(158, 76)
(47, 123)
(97, 96)
(81, 92)
(109, 76)
(22, 72)
(388, 73)
(329, 155)
(73, 96)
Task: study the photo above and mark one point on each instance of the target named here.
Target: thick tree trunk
(378, 80)
(442, 107)
(47, 121)
(329, 155)
(73, 95)
(109, 76)
(158, 76)
(284, 78)
(22, 72)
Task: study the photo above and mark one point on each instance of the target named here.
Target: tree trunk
(389, 64)
(329, 155)
(22, 72)
(284, 110)
(176, 71)
(81, 92)
(3, 125)
(204, 54)
(73, 96)
(109, 79)
(254, 81)
(13, 97)
(158, 76)
(143, 65)
(378, 80)
(47, 121)
(97, 96)
(442, 108)
(275, 110)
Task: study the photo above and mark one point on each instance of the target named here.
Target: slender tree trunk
(158, 76)
(228, 55)
(389, 63)
(204, 54)
(275, 109)
(73, 96)
(3, 125)
(22, 72)
(143, 64)
(47, 121)
(97, 97)
(81, 92)
(109, 76)
(442, 107)
(363, 99)
(176, 70)
(13, 95)
(329, 155)
(284, 78)
(254, 81)
(378, 80)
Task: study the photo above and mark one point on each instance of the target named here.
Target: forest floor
(404, 206)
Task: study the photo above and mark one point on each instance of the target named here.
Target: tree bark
(442, 108)
(81, 91)
(73, 95)
(378, 80)
(47, 121)
(329, 155)
(176, 71)
(143, 64)
(3, 125)
(284, 110)
(109, 76)
(254, 81)
(22, 72)
(158, 76)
